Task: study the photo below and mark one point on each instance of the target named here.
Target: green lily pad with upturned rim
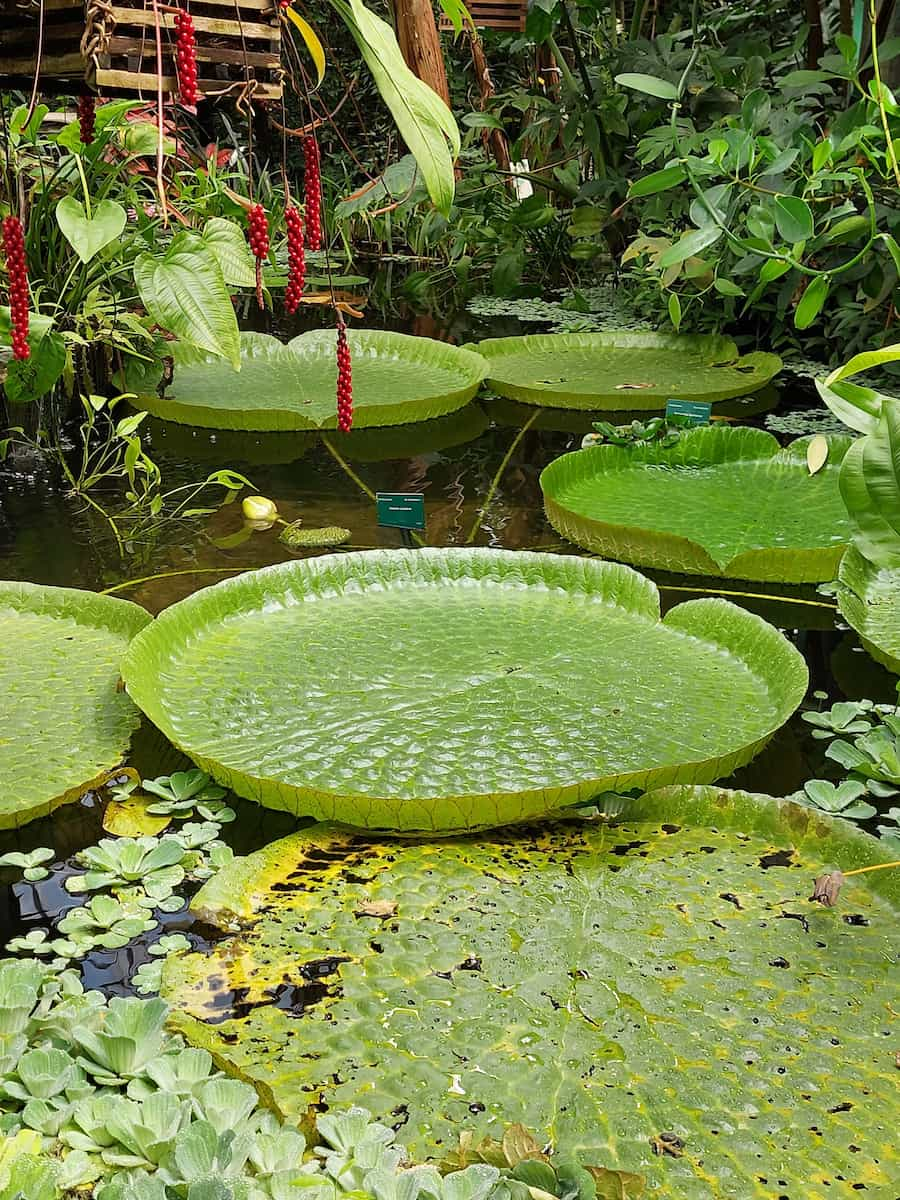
(869, 600)
(726, 502)
(601, 985)
(291, 386)
(63, 723)
(515, 413)
(622, 370)
(457, 689)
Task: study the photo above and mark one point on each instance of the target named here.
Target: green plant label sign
(696, 411)
(401, 510)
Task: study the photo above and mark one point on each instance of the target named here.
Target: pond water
(478, 470)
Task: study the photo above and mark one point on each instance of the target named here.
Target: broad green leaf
(64, 724)
(811, 301)
(773, 269)
(689, 244)
(229, 244)
(858, 407)
(881, 472)
(869, 601)
(311, 40)
(658, 181)
(865, 362)
(730, 502)
(184, 291)
(29, 379)
(300, 635)
(781, 162)
(689, 991)
(674, 309)
(141, 138)
(88, 235)
(622, 370)
(794, 218)
(650, 85)
(423, 119)
(396, 378)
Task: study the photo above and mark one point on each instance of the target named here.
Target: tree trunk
(496, 138)
(814, 42)
(420, 44)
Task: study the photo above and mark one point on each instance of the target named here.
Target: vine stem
(876, 70)
(351, 474)
(875, 867)
(129, 583)
(495, 482)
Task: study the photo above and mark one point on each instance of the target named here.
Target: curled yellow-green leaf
(313, 45)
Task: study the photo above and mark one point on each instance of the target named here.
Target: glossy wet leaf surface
(719, 502)
(448, 689)
(622, 370)
(396, 379)
(603, 986)
(63, 724)
(869, 600)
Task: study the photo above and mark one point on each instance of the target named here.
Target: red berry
(186, 58)
(296, 259)
(344, 380)
(86, 117)
(312, 192)
(14, 251)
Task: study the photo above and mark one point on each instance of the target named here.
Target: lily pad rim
(786, 686)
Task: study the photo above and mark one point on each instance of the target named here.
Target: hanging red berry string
(186, 58)
(344, 379)
(17, 271)
(86, 117)
(258, 236)
(312, 192)
(296, 259)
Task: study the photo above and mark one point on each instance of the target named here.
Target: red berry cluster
(258, 231)
(296, 259)
(312, 193)
(14, 249)
(344, 381)
(186, 57)
(86, 117)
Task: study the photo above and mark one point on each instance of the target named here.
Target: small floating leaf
(817, 453)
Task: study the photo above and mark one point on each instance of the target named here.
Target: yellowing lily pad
(614, 989)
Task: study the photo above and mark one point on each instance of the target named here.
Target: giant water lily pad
(396, 379)
(63, 724)
(449, 689)
(622, 370)
(719, 502)
(869, 600)
(601, 985)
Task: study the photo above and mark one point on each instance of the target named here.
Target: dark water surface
(47, 536)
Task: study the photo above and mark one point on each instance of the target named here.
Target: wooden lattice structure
(111, 45)
(508, 15)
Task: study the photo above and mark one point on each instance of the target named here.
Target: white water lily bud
(258, 508)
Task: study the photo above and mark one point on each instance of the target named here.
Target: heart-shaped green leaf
(87, 235)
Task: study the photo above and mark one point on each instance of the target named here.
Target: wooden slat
(216, 54)
(32, 11)
(265, 6)
(133, 16)
(52, 34)
(146, 81)
(71, 64)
